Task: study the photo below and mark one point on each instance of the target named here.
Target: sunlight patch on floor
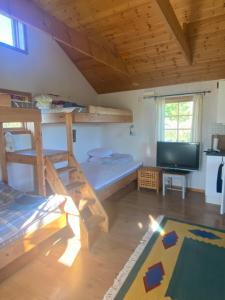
(140, 225)
(155, 226)
(70, 254)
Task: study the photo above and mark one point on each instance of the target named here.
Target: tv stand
(176, 171)
(178, 175)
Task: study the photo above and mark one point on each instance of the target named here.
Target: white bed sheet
(101, 174)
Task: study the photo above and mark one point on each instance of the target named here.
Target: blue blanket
(22, 213)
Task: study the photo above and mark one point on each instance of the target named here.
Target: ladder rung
(85, 203)
(74, 185)
(57, 157)
(93, 221)
(66, 169)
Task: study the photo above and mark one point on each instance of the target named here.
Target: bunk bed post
(39, 166)
(3, 155)
(35, 179)
(69, 132)
(69, 138)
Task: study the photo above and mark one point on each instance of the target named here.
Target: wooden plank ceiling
(157, 42)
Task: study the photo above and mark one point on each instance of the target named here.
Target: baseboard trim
(196, 190)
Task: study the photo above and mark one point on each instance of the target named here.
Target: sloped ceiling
(149, 40)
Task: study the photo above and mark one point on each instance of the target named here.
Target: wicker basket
(150, 178)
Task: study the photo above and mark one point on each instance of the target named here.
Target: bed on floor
(25, 222)
(110, 172)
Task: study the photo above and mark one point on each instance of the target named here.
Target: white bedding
(106, 171)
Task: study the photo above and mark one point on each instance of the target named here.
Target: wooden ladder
(93, 217)
(70, 181)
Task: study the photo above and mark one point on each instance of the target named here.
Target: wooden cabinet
(150, 178)
(221, 102)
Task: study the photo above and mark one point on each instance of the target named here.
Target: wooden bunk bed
(94, 114)
(82, 210)
(98, 114)
(86, 216)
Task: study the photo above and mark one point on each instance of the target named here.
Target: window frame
(15, 36)
(178, 100)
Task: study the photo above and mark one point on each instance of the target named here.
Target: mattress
(18, 219)
(104, 172)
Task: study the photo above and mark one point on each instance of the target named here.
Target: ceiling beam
(29, 13)
(174, 27)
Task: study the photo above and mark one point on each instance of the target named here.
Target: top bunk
(21, 107)
(9, 114)
(94, 114)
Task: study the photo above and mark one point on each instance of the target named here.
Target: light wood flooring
(92, 273)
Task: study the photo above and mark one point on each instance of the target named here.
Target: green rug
(175, 260)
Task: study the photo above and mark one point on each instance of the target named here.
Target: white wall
(87, 137)
(47, 69)
(143, 145)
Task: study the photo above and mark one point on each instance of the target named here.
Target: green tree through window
(178, 121)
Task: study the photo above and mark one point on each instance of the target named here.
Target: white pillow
(100, 152)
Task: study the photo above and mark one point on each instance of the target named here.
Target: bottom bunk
(25, 222)
(111, 173)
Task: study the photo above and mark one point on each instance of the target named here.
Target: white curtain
(197, 118)
(196, 123)
(160, 118)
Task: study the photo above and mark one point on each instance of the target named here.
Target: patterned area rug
(175, 260)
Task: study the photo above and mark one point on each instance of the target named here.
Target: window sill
(14, 48)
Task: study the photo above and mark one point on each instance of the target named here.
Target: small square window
(178, 121)
(12, 33)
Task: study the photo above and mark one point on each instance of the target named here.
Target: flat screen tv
(178, 156)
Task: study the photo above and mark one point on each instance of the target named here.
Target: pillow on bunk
(7, 194)
(100, 152)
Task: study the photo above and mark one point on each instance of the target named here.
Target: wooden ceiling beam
(153, 81)
(174, 27)
(31, 14)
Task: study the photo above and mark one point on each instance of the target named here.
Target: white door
(212, 165)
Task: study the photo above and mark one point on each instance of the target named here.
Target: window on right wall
(179, 118)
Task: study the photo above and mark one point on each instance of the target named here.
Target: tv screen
(181, 156)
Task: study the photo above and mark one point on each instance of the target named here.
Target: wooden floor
(92, 273)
